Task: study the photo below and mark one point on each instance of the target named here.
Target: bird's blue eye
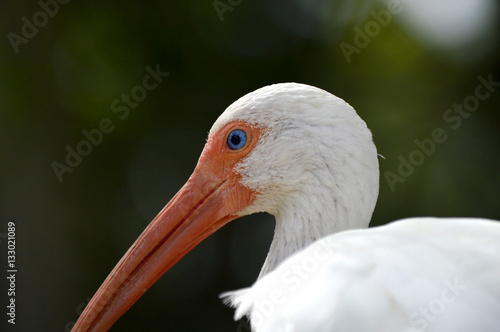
(237, 139)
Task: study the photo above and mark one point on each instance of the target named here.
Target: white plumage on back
(419, 274)
(315, 169)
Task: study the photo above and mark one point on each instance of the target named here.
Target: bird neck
(307, 218)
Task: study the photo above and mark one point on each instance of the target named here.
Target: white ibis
(306, 157)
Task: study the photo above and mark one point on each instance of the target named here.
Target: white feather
(419, 274)
(315, 168)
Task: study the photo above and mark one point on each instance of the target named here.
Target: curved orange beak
(210, 199)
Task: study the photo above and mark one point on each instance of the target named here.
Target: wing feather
(411, 275)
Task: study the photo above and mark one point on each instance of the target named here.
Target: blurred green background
(64, 78)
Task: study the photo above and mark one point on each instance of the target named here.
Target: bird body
(418, 274)
(306, 157)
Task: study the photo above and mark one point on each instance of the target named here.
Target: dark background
(63, 80)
